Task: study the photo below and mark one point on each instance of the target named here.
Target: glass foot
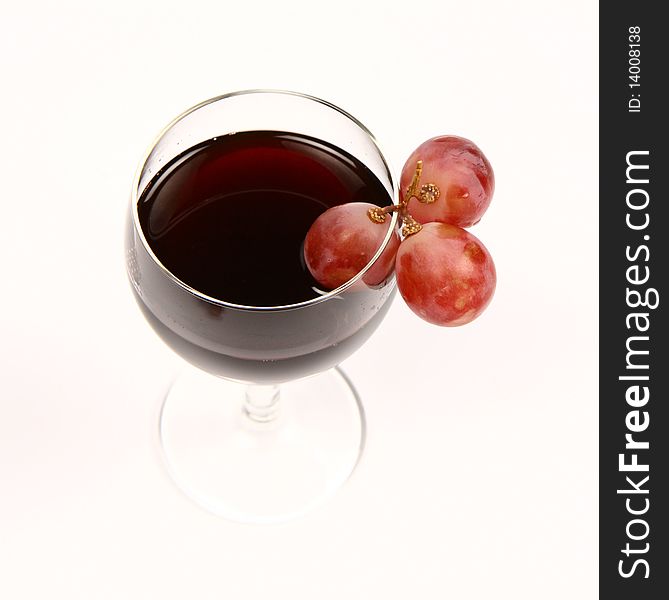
(261, 454)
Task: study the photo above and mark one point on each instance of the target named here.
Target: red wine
(229, 216)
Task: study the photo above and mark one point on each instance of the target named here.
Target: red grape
(342, 241)
(445, 274)
(461, 172)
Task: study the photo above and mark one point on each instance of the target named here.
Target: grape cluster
(444, 273)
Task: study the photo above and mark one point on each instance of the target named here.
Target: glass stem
(261, 403)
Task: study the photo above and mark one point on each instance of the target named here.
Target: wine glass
(263, 426)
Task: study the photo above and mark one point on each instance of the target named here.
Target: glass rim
(134, 199)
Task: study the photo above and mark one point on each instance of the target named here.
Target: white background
(479, 479)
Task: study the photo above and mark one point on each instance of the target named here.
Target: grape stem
(413, 187)
(410, 225)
